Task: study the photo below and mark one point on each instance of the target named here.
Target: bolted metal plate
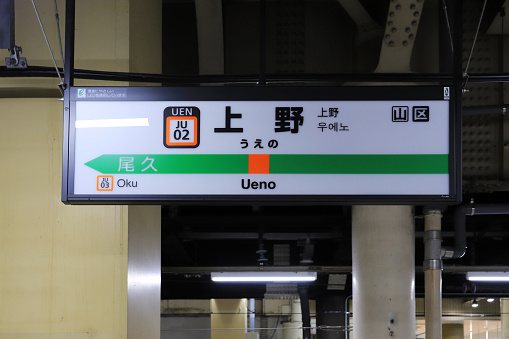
(402, 22)
(482, 152)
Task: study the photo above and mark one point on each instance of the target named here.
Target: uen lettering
(181, 111)
(257, 185)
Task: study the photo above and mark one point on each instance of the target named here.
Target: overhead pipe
(49, 72)
(486, 209)
(202, 270)
(460, 214)
(484, 110)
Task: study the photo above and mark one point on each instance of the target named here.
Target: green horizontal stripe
(279, 163)
(359, 164)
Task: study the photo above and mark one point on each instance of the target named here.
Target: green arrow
(170, 163)
(279, 163)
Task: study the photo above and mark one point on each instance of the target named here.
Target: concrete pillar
(228, 319)
(144, 246)
(504, 311)
(292, 329)
(383, 250)
(144, 272)
(452, 331)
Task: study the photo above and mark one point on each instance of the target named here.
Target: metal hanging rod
(47, 72)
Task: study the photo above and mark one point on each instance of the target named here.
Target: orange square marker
(259, 163)
(105, 182)
(184, 137)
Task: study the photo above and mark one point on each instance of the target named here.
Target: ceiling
(198, 238)
(328, 39)
(323, 37)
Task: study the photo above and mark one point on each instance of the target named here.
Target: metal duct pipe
(460, 214)
(434, 252)
(433, 273)
(306, 317)
(460, 236)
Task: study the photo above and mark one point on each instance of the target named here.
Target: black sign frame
(385, 93)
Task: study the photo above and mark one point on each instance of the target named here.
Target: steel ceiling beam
(254, 235)
(206, 270)
(209, 269)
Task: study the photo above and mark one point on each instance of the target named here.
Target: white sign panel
(124, 147)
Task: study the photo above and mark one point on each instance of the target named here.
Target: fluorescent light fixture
(135, 122)
(488, 276)
(490, 300)
(263, 276)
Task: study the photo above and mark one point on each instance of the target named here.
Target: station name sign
(260, 144)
